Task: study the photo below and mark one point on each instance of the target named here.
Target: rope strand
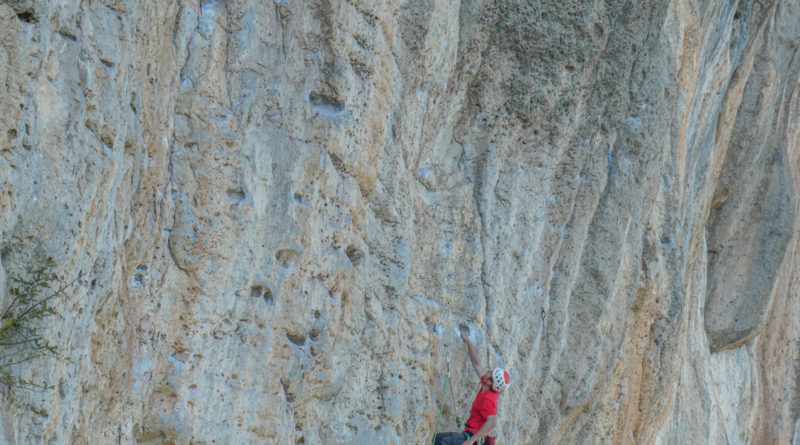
(447, 382)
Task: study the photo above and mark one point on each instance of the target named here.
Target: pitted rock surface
(286, 210)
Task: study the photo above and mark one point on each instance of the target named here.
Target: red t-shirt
(485, 405)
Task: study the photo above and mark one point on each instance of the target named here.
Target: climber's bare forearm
(473, 356)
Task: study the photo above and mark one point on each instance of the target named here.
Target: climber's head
(500, 380)
(497, 379)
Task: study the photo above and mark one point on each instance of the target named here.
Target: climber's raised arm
(473, 356)
(482, 416)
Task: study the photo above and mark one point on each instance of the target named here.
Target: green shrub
(32, 294)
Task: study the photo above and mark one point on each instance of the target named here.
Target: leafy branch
(31, 297)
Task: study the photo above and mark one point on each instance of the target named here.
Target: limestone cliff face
(284, 210)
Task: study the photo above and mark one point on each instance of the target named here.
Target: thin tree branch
(44, 300)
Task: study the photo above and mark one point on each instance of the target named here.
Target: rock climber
(482, 417)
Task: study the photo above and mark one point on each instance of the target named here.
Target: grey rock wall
(286, 209)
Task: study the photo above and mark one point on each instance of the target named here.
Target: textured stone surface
(285, 209)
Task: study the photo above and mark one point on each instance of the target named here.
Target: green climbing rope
(447, 383)
(453, 397)
(441, 409)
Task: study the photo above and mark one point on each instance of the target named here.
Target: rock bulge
(284, 210)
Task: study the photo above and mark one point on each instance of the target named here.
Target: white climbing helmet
(500, 379)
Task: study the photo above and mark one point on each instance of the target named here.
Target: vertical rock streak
(290, 209)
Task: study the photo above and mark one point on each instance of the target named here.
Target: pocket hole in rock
(297, 339)
(27, 16)
(354, 254)
(287, 258)
(259, 291)
(268, 298)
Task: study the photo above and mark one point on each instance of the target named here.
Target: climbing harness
(447, 383)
